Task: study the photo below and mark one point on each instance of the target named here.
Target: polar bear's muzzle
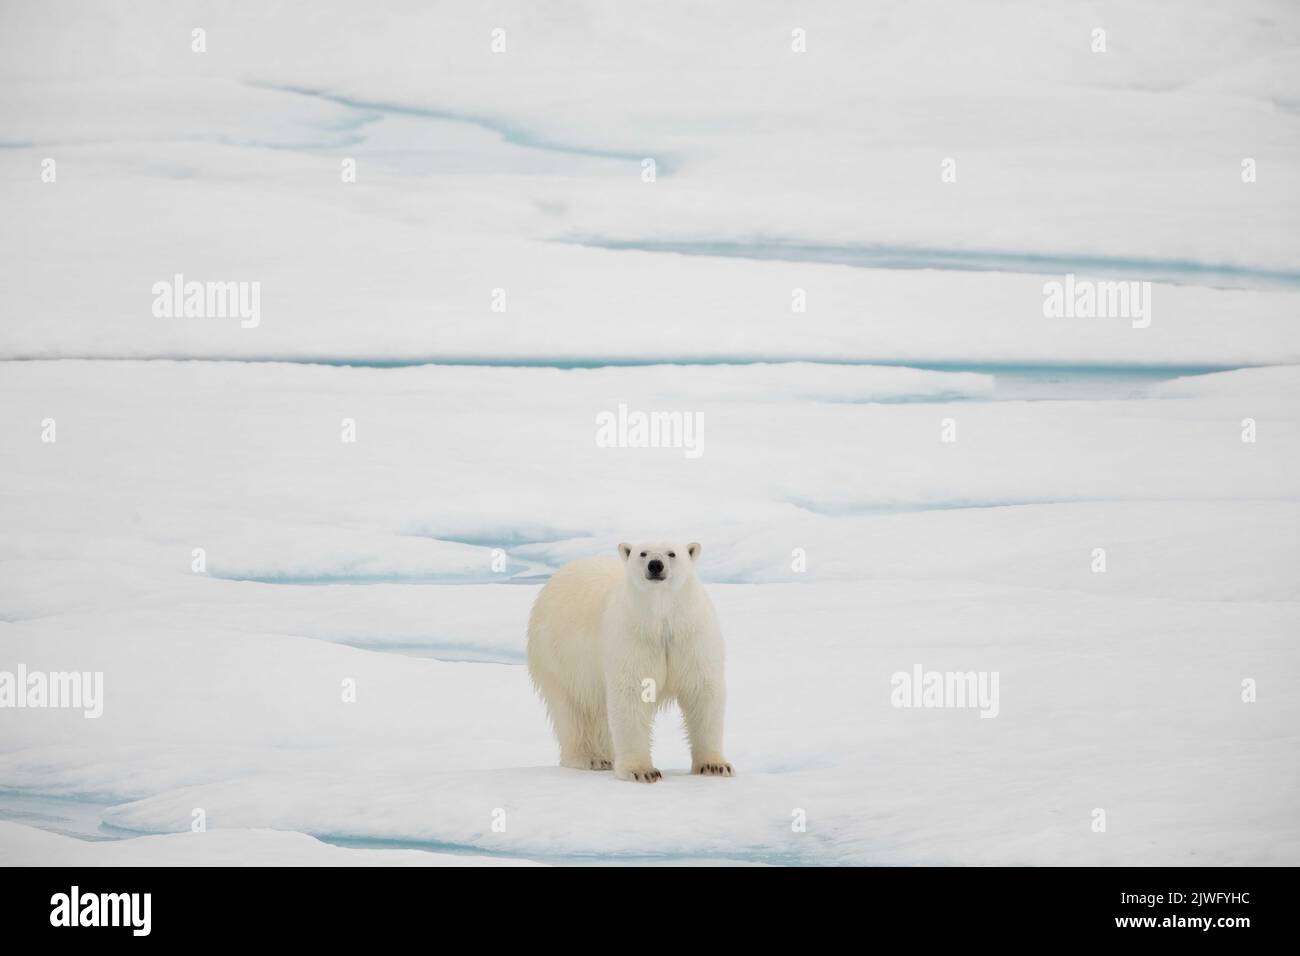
(654, 570)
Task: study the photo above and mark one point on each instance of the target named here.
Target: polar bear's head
(659, 565)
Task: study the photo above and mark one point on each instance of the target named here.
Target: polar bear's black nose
(655, 567)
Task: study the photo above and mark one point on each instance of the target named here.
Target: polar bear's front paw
(601, 763)
(713, 767)
(641, 773)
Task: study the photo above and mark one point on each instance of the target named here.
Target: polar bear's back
(564, 627)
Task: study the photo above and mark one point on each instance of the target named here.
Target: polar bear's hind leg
(583, 736)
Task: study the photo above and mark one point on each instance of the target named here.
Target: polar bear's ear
(693, 549)
(625, 551)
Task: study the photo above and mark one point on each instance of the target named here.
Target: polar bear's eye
(672, 554)
(643, 554)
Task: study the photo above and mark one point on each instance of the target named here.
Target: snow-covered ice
(405, 562)
(27, 846)
(1119, 690)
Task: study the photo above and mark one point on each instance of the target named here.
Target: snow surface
(479, 172)
(1119, 690)
(28, 846)
(407, 561)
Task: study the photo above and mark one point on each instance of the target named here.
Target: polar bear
(611, 641)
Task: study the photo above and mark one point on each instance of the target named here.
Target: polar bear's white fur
(611, 640)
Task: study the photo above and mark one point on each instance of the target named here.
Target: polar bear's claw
(598, 763)
(722, 769)
(646, 776)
